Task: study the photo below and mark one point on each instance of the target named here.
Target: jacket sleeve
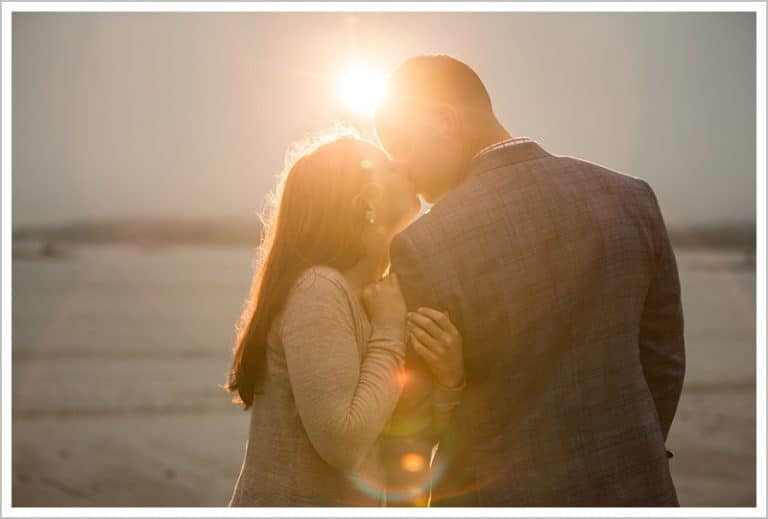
(662, 344)
(425, 409)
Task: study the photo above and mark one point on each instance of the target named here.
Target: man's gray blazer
(560, 275)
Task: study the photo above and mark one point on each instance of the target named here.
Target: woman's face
(395, 201)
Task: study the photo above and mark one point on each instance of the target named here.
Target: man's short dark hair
(437, 78)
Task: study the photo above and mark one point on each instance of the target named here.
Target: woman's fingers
(422, 350)
(427, 324)
(440, 318)
(427, 340)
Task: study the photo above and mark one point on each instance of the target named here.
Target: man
(560, 276)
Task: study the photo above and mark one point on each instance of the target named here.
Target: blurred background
(144, 145)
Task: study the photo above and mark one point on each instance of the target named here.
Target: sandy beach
(118, 353)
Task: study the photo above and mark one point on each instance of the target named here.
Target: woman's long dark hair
(315, 220)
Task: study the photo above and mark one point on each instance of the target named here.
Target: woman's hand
(384, 303)
(439, 343)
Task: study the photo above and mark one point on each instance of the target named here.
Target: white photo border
(8, 8)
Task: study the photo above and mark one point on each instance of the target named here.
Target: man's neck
(484, 135)
(493, 134)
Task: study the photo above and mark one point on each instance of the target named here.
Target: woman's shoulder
(319, 285)
(319, 294)
(319, 278)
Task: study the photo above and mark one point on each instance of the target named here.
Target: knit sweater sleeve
(344, 399)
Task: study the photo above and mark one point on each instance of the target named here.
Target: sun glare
(360, 88)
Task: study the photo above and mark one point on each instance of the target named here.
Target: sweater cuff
(388, 337)
(448, 396)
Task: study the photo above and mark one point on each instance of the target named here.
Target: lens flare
(413, 462)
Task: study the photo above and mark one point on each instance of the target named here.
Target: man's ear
(445, 120)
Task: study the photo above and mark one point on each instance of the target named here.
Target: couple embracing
(520, 344)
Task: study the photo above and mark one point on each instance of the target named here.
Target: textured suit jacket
(560, 275)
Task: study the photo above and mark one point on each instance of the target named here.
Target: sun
(360, 88)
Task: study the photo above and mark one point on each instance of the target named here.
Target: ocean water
(119, 353)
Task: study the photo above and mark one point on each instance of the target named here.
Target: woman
(320, 349)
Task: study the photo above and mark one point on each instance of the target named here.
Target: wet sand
(118, 352)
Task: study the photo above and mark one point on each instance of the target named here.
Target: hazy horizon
(188, 115)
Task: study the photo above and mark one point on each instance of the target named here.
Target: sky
(189, 115)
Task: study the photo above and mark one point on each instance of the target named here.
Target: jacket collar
(505, 153)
